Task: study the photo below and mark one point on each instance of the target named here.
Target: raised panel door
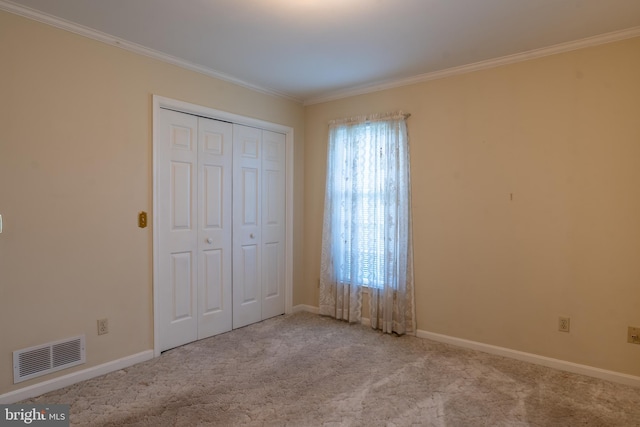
(247, 199)
(177, 222)
(273, 224)
(215, 153)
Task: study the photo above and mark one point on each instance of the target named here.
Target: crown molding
(81, 30)
(327, 96)
(477, 66)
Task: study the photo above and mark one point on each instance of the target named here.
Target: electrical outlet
(633, 335)
(103, 326)
(563, 324)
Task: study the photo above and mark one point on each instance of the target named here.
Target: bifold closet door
(215, 224)
(273, 227)
(194, 164)
(258, 225)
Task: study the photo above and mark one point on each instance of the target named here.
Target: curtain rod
(370, 118)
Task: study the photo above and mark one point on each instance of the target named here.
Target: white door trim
(162, 102)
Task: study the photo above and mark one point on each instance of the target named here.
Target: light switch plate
(0, 223)
(142, 219)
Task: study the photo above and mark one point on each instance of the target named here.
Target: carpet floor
(307, 370)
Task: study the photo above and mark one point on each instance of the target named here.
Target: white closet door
(221, 211)
(177, 159)
(195, 227)
(247, 199)
(215, 153)
(273, 226)
(258, 229)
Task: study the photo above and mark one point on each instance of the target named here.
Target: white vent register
(47, 358)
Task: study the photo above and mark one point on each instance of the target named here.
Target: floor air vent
(43, 359)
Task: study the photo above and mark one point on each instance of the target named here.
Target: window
(365, 169)
(361, 184)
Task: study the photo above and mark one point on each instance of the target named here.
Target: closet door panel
(215, 162)
(273, 226)
(177, 222)
(247, 215)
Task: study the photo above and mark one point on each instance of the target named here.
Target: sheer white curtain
(366, 238)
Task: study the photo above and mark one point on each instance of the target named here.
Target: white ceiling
(316, 49)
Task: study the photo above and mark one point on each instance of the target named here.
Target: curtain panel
(366, 240)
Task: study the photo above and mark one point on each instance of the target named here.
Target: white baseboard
(549, 362)
(304, 307)
(74, 377)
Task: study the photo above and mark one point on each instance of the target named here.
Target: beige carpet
(306, 370)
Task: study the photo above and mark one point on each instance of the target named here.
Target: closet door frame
(198, 110)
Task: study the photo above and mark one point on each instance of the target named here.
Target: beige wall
(562, 134)
(75, 169)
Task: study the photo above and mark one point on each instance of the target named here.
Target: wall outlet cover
(103, 326)
(564, 324)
